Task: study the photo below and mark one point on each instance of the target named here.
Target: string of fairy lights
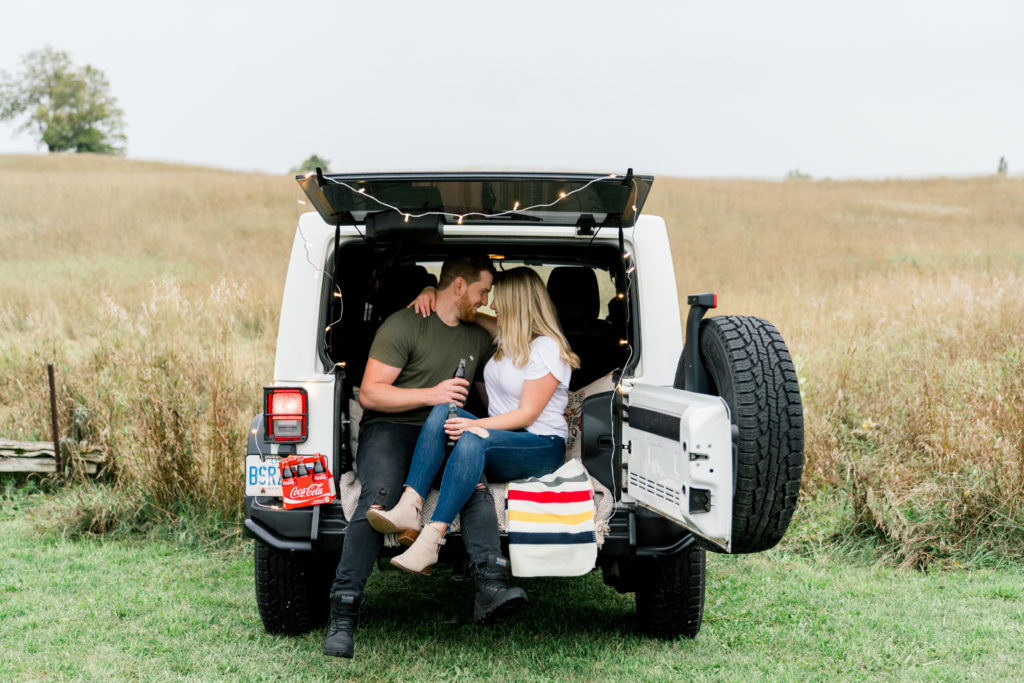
(459, 217)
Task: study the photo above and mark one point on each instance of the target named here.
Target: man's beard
(467, 311)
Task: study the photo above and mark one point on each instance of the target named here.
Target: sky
(752, 89)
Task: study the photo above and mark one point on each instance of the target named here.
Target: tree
(311, 164)
(65, 107)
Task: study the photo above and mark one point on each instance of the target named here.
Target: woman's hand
(456, 425)
(424, 302)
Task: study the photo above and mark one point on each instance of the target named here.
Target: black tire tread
(292, 589)
(670, 594)
(751, 368)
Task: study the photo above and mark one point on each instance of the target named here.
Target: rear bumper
(299, 529)
(632, 533)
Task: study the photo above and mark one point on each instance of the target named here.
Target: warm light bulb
(620, 295)
(362, 190)
(406, 218)
(460, 220)
(623, 342)
(561, 195)
(626, 255)
(515, 206)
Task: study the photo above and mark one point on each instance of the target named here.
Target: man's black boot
(344, 619)
(494, 599)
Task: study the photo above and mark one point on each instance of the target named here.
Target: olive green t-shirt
(428, 352)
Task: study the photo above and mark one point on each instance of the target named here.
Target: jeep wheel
(670, 594)
(292, 589)
(749, 366)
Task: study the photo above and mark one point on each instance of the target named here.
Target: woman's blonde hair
(525, 312)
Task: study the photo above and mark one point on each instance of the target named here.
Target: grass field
(142, 609)
(155, 288)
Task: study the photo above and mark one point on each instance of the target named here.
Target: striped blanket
(551, 523)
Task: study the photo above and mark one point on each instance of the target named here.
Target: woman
(527, 383)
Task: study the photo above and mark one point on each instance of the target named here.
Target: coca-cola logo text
(307, 491)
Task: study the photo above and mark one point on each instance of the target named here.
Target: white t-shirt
(504, 382)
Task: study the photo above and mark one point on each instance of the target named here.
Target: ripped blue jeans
(502, 456)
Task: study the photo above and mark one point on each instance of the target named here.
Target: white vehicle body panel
(661, 334)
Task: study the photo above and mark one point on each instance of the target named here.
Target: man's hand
(454, 389)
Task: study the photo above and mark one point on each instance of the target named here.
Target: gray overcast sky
(754, 89)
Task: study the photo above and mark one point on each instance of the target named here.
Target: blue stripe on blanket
(555, 538)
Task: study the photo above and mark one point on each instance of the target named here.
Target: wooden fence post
(53, 422)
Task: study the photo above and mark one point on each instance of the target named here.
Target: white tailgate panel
(681, 441)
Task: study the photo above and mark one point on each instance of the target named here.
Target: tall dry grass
(156, 290)
(903, 304)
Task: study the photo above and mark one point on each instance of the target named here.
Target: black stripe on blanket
(551, 538)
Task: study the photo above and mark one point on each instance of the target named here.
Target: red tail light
(285, 414)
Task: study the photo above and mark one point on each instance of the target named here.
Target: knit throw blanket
(551, 523)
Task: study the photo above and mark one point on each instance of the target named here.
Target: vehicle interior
(587, 284)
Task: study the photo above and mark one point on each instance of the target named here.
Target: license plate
(262, 476)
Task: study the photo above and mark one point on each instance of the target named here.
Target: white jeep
(689, 447)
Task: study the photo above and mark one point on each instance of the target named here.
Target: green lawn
(148, 609)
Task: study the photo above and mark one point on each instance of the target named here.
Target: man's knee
(381, 494)
(480, 500)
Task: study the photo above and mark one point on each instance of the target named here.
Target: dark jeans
(385, 452)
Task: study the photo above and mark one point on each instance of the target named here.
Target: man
(409, 371)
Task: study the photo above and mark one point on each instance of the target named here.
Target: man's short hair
(466, 267)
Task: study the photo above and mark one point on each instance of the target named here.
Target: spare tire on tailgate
(748, 365)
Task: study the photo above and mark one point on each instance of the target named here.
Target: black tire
(749, 366)
(292, 589)
(670, 594)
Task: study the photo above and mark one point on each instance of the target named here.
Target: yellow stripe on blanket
(519, 516)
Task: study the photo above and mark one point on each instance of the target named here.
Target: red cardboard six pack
(306, 480)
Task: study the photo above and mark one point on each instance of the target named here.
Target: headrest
(573, 290)
(398, 286)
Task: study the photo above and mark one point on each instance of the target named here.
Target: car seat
(574, 292)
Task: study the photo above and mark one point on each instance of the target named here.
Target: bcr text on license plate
(262, 476)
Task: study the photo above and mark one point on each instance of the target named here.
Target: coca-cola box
(306, 480)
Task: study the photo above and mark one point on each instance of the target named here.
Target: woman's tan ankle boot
(403, 519)
(421, 556)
